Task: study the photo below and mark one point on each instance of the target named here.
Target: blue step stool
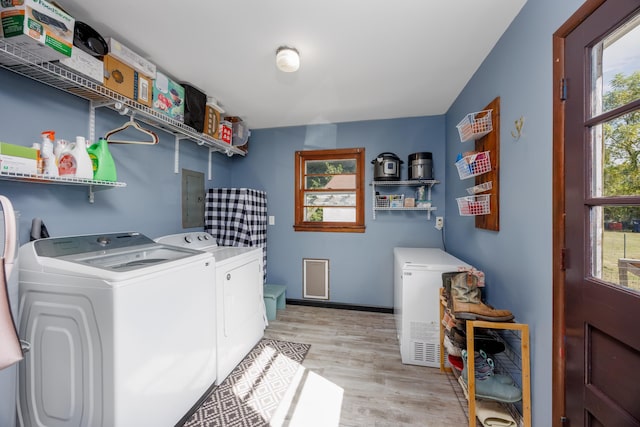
(274, 298)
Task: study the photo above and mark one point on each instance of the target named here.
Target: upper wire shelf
(20, 61)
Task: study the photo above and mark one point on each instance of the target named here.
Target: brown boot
(467, 304)
(446, 284)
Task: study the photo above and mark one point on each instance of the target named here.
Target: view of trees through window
(329, 190)
(616, 162)
(335, 180)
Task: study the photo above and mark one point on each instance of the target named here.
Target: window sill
(330, 228)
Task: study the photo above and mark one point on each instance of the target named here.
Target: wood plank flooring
(358, 351)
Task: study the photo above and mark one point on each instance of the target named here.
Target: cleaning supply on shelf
(58, 148)
(104, 168)
(39, 164)
(49, 166)
(74, 160)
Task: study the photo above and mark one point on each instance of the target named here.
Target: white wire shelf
(20, 61)
(61, 180)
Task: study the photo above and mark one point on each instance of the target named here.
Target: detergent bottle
(49, 166)
(74, 160)
(104, 168)
(58, 148)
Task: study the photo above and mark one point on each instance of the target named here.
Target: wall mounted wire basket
(475, 125)
(473, 165)
(480, 188)
(390, 201)
(474, 205)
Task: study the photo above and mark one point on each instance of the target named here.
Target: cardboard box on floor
(38, 27)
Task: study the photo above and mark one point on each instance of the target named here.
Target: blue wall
(150, 203)
(517, 260)
(360, 264)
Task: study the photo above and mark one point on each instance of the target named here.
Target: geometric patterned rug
(252, 392)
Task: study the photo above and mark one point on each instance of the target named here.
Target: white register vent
(315, 276)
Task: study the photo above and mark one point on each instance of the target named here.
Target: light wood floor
(359, 352)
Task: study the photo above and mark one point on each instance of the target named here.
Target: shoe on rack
(467, 303)
(484, 342)
(484, 366)
(446, 284)
(457, 337)
(488, 385)
(455, 361)
(451, 348)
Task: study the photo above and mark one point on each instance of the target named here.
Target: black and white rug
(253, 391)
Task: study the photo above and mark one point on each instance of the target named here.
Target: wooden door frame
(558, 218)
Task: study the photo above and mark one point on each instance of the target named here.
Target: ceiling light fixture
(287, 59)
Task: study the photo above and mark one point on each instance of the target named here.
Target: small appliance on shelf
(386, 167)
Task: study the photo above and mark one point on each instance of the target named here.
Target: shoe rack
(517, 356)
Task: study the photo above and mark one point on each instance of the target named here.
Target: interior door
(602, 225)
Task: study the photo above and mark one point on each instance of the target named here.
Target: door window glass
(615, 65)
(615, 157)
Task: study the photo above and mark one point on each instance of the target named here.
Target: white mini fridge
(417, 278)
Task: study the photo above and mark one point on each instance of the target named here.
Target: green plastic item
(104, 168)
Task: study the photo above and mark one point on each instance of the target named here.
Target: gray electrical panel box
(192, 199)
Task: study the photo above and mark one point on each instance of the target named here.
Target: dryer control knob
(188, 239)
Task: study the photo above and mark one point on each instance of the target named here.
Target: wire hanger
(132, 123)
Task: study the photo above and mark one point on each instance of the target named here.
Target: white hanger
(134, 124)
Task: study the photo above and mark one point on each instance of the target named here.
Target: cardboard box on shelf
(121, 78)
(18, 159)
(12, 164)
(38, 27)
(211, 122)
(144, 92)
(7, 149)
(226, 131)
(132, 59)
(168, 97)
(85, 64)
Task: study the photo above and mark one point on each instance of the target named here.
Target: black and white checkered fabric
(237, 217)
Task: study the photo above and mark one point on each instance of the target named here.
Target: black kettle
(386, 167)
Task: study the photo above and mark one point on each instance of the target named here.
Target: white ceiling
(360, 59)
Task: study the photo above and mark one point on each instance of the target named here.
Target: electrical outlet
(439, 222)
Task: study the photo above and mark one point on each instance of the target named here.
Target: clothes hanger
(131, 123)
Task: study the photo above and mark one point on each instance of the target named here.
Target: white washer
(121, 331)
(241, 315)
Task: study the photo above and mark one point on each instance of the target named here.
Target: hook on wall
(519, 123)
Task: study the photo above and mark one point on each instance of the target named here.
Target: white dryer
(121, 331)
(240, 310)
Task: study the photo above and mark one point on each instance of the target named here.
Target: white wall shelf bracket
(176, 155)
(209, 173)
